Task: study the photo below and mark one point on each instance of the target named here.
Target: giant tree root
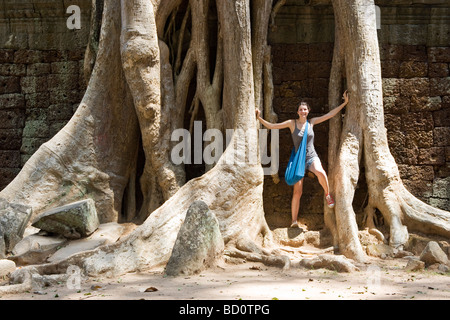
(332, 262)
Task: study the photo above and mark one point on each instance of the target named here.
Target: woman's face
(303, 110)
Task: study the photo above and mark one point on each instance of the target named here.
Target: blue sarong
(295, 170)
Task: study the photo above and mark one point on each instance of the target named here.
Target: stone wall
(41, 83)
(415, 55)
(41, 79)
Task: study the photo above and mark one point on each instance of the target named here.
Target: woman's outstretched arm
(332, 113)
(286, 124)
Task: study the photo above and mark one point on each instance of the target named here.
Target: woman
(313, 163)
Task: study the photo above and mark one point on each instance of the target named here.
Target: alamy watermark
(244, 149)
(373, 278)
(74, 280)
(74, 20)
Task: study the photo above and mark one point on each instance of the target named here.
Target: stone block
(9, 84)
(413, 69)
(199, 242)
(439, 54)
(10, 139)
(391, 86)
(421, 188)
(13, 220)
(438, 69)
(416, 87)
(30, 145)
(73, 221)
(425, 103)
(106, 233)
(419, 139)
(64, 96)
(441, 136)
(35, 249)
(396, 140)
(443, 204)
(433, 254)
(12, 101)
(27, 56)
(10, 158)
(319, 69)
(295, 52)
(38, 69)
(291, 71)
(6, 55)
(64, 67)
(432, 156)
(380, 250)
(440, 86)
(441, 188)
(446, 102)
(37, 100)
(322, 51)
(416, 173)
(414, 265)
(390, 69)
(12, 118)
(415, 52)
(63, 82)
(6, 176)
(391, 121)
(57, 112)
(32, 84)
(36, 129)
(10, 69)
(49, 56)
(438, 32)
(417, 121)
(442, 118)
(391, 52)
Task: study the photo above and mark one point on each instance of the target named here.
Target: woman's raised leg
(295, 204)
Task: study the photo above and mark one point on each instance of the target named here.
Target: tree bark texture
(150, 69)
(363, 136)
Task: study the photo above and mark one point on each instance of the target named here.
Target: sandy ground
(382, 279)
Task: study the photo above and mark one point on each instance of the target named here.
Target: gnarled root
(246, 249)
(329, 261)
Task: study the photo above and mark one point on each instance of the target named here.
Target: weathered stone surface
(73, 221)
(13, 220)
(6, 267)
(415, 265)
(433, 254)
(35, 249)
(380, 250)
(199, 242)
(106, 233)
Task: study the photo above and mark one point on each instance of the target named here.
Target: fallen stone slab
(13, 220)
(73, 221)
(76, 246)
(105, 234)
(199, 242)
(415, 265)
(35, 249)
(433, 254)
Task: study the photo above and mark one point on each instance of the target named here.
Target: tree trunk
(363, 135)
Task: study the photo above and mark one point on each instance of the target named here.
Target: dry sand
(382, 279)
